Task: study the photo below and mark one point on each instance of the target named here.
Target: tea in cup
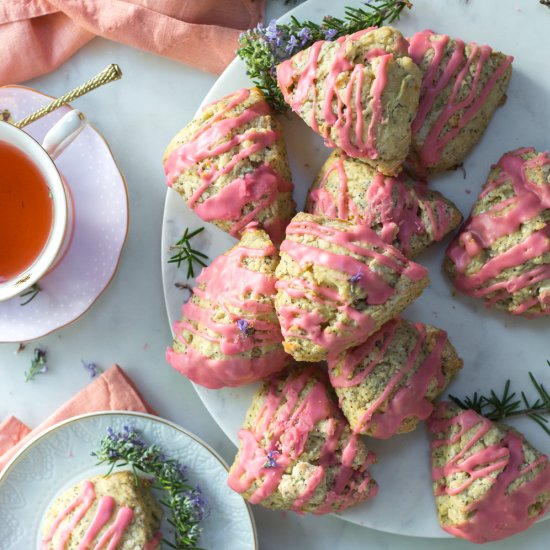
(35, 205)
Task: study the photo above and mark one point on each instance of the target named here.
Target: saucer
(100, 200)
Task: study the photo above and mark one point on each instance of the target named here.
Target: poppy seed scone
(403, 212)
(338, 283)
(387, 385)
(230, 165)
(462, 85)
(229, 334)
(360, 93)
(502, 252)
(111, 511)
(489, 482)
(296, 450)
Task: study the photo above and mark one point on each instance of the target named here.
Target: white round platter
(495, 347)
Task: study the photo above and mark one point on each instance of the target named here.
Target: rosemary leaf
(499, 407)
(185, 253)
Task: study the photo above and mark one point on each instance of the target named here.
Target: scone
(296, 449)
(111, 511)
(462, 85)
(360, 93)
(404, 213)
(387, 385)
(338, 283)
(489, 483)
(230, 165)
(229, 334)
(502, 253)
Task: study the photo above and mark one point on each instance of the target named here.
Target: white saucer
(101, 225)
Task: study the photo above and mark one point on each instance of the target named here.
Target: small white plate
(61, 457)
(100, 201)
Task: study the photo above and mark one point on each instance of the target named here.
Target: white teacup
(55, 142)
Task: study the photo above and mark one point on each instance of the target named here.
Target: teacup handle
(63, 133)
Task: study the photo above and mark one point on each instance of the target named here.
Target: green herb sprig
(509, 404)
(186, 503)
(31, 292)
(263, 48)
(38, 365)
(184, 252)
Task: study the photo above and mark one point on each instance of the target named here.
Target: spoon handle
(109, 74)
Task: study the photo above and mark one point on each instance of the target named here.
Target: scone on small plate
(360, 93)
(296, 449)
(229, 334)
(462, 85)
(403, 212)
(230, 165)
(489, 482)
(111, 511)
(387, 385)
(502, 252)
(338, 283)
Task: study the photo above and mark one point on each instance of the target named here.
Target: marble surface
(128, 324)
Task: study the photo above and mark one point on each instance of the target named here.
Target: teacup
(21, 268)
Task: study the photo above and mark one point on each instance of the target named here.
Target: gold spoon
(109, 74)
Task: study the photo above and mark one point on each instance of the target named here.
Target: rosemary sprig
(38, 365)
(263, 48)
(186, 253)
(32, 292)
(186, 504)
(508, 404)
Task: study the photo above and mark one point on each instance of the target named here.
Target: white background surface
(128, 325)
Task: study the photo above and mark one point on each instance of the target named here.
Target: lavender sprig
(38, 365)
(187, 505)
(264, 47)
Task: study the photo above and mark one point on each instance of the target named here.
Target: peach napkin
(113, 390)
(39, 35)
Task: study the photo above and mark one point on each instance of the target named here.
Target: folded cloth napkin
(112, 391)
(39, 35)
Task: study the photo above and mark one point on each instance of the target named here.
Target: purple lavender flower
(273, 34)
(330, 34)
(305, 36)
(92, 368)
(195, 498)
(354, 279)
(271, 462)
(292, 44)
(244, 326)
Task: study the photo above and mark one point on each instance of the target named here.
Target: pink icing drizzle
(289, 417)
(80, 506)
(338, 106)
(263, 184)
(437, 78)
(105, 508)
(390, 202)
(230, 284)
(355, 239)
(114, 533)
(498, 513)
(405, 402)
(484, 229)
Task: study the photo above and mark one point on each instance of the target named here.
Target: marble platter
(61, 457)
(495, 347)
